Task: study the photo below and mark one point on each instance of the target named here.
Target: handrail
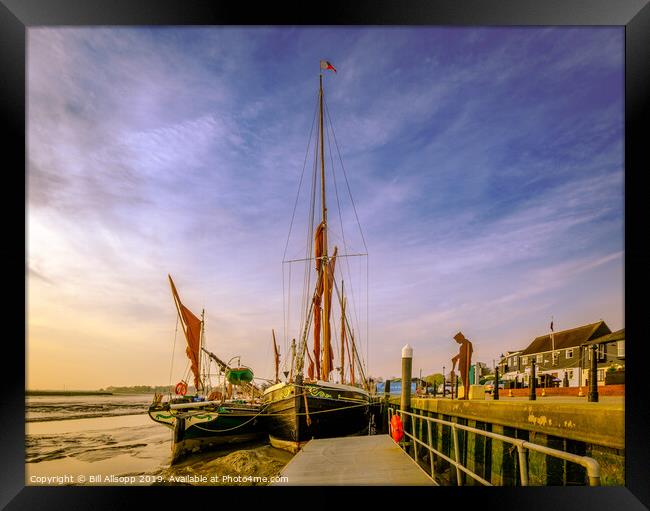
(590, 464)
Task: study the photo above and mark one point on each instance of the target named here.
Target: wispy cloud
(485, 164)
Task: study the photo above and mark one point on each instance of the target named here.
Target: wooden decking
(360, 460)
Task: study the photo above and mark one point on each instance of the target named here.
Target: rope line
(171, 367)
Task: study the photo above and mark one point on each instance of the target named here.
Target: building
(508, 365)
(563, 358)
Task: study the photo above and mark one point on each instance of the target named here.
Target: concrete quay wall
(587, 429)
(603, 390)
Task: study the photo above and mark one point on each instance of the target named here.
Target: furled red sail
(317, 316)
(343, 340)
(328, 356)
(192, 329)
(318, 253)
(318, 246)
(310, 370)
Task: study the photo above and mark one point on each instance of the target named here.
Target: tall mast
(325, 366)
(352, 351)
(342, 334)
(293, 360)
(276, 358)
(201, 347)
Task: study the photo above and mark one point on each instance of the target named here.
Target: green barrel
(239, 375)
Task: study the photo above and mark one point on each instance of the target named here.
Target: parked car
(489, 386)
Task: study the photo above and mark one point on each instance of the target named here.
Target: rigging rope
(346, 178)
(171, 367)
(354, 305)
(293, 214)
(345, 246)
(302, 346)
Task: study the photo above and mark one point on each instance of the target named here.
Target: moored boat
(312, 405)
(216, 415)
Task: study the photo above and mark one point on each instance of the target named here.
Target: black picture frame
(16, 16)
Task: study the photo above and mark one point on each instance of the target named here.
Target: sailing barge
(215, 416)
(311, 406)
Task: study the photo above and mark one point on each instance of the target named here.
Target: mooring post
(384, 413)
(532, 396)
(407, 362)
(496, 384)
(592, 397)
(444, 383)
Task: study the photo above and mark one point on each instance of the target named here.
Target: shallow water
(110, 440)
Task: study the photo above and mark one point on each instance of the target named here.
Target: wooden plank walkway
(358, 460)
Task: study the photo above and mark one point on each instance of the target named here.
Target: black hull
(231, 426)
(294, 415)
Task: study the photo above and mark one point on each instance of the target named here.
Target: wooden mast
(201, 348)
(342, 334)
(352, 364)
(276, 358)
(293, 360)
(325, 365)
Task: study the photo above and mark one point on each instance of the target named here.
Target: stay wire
(293, 215)
(363, 239)
(345, 246)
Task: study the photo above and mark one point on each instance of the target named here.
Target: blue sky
(486, 165)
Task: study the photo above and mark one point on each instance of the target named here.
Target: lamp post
(533, 382)
(444, 383)
(496, 384)
(592, 397)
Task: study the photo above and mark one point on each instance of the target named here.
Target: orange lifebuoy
(181, 388)
(396, 428)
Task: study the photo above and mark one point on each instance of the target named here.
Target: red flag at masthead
(324, 64)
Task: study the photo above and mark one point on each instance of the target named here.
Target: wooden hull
(209, 428)
(294, 415)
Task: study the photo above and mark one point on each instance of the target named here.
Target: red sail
(318, 253)
(310, 370)
(318, 246)
(317, 315)
(328, 355)
(342, 339)
(192, 330)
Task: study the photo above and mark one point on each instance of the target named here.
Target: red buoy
(396, 428)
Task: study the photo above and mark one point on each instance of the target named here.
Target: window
(540, 358)
(556, 357)
(524, 361)
(510, 361)
(601, 352)
(620, 348)
(569, 353)
(570, 374)
(601, 374)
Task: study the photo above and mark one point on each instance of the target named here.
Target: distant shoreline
(67, 393)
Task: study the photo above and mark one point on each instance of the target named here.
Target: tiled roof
(619, 335)
(568, 338)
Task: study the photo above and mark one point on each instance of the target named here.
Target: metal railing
(590, 464)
